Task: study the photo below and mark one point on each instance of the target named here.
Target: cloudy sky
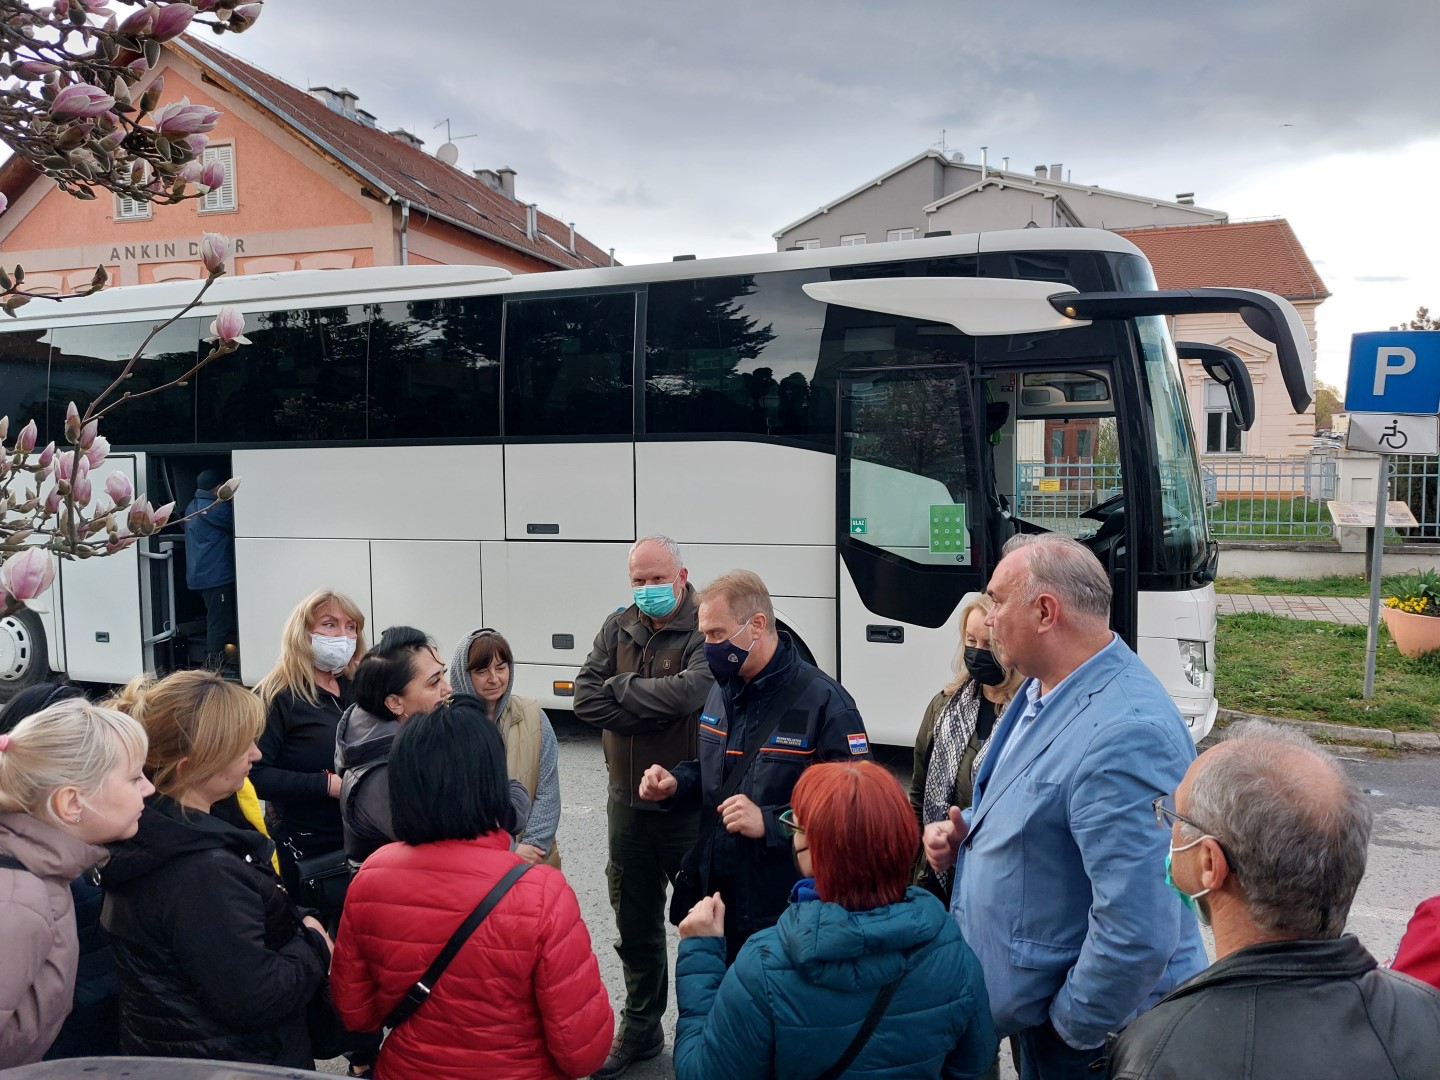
(665, 126)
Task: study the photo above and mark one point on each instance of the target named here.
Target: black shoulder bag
(872, 1021)
(689, 887)
(416, 995)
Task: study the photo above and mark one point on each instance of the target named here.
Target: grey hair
(1067, 568)
(665, 542)
(1299, 851)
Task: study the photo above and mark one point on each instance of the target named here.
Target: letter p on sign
(1391, 360)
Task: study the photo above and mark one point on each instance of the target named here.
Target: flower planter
(1414, 635)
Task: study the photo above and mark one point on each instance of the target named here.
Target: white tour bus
(455, 447)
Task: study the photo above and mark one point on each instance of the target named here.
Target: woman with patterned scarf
(955, 733)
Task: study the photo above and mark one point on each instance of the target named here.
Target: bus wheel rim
(16, 650)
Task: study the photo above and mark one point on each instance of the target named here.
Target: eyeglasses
(1165, 813)
(788, 825)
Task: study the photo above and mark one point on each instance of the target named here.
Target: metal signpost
(1393, 398)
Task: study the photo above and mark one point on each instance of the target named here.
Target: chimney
(1040, 172)
(1057, 172)
(405, 137)
(530, 228)
(612, 256)
(984, 171)
(1005, 163)
(1186, 198)
(489, 177)
(507, 181)
(341, 101)
(572, 238)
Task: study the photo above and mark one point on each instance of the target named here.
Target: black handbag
(324, 880)
(693, 877)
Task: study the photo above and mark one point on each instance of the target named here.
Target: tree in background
(1328, 402)
(1421, 321)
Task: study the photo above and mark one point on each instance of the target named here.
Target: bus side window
(570, 365)
(435, 368)
(24, 376)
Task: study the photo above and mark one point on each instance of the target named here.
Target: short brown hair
(861, 830)
(743, 593)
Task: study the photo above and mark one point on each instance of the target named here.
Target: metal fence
(1054, 494)
(1414, 480)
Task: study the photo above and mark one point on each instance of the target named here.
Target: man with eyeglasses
(1267, 840)
(1059, 887)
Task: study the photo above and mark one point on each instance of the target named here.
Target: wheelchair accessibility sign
(1394, 433)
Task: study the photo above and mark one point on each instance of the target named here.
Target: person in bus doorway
(955, 734)
(484, 665)
(769, 715)
(1055, 884)
(643, 686)
(210, 566)
(304, 696)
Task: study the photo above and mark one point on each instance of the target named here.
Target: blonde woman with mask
(71, 780)
(215, 960)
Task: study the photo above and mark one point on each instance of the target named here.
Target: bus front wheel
(23, 660)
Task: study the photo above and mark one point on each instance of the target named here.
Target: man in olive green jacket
(643, 685)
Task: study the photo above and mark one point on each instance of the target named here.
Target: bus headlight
(1192, 660)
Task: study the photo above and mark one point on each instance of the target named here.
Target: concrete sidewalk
(1337, 609)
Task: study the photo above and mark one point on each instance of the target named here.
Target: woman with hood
(215, 960)
(71, 779)
(860, 971)
(485, 665)
(304, 697)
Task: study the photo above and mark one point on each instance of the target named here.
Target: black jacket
(1287, 1010)
(755, 876)
(297, 749)
(214, 960)
(93, 1026)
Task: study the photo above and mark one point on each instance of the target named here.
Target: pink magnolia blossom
(195, 144)
(4, 202)
(161, 516)
(82, 100)
(28, 574)
(65, 465)
(171, 21)
(182, 118)
(139, 517)
(72, 424)
(47, 455)
(25, 440)
(228, 326)
(212, 176)
(98, 452)
(214, 250)
(88, 433)
(36, 68)
(140, 23)
(83, 489)
(119, 488)
(52, 502)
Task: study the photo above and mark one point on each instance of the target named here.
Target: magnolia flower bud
(83, 490)
(182, 118)
(72, 424)
(119, 488)
(28, 574)
(25, 440)
(4, 427)
(214, 250)
(65, 465)
(228, 326)
(161, 516)
(171, 21)
(4, 202)
(99, 450)
(212, 176)
(88, 433)
(226, 491)
(52, 501)
(139, 517)
(81, 100)
(47, 456)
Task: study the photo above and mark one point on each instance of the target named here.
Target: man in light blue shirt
(1059, 882)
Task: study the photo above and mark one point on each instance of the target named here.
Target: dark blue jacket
(755, 876)
(799, 991)
(209, 543)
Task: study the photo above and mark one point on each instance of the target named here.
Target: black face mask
(983, 667)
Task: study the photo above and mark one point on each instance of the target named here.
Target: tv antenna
(448, 152)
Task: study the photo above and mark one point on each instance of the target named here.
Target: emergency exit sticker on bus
(947, 529)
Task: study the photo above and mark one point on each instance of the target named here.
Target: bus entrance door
(908, 535)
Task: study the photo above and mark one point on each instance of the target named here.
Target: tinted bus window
(435, 369)
(88, 358)
(301, 379)
(569, 365)
(24, 371)
(734, 354)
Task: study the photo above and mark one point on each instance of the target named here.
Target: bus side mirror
(1229, 371)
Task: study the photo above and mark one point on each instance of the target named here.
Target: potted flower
(1412, 613)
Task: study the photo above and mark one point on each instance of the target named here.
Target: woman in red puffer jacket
(522, 997)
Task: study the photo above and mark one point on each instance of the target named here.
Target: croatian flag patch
(859, 744)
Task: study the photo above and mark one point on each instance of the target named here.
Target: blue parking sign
(1394, 371)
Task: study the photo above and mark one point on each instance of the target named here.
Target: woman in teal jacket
(797, 999)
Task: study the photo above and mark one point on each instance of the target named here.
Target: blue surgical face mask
(657, 601)
(726, 658)
(1188, 899)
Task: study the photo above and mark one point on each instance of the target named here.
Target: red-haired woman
(862, 971)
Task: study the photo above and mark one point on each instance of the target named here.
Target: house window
(806, 245)
(900, 234)
(1222, 433)
(131, 209)
(854, 239)
(1085, 443)
(1057, 444)
(223, 197)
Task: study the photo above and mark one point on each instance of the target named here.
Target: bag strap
(416, 995)
(872, 1021)
(10, 862)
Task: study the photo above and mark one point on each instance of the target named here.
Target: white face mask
(332, 654)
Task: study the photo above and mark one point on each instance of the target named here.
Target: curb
(1348, 734)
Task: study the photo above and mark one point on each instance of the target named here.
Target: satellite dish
(449, 153)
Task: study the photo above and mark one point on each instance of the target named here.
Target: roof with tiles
(395, 169)
(1249, 255)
